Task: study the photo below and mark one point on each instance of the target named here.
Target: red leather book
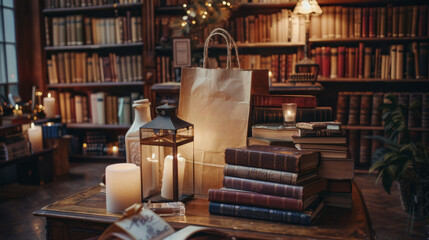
(346, 67)
(258, 199)
(273, 157)
(326, 61)
(289, 65)
(365, 22)
(106, 69)
(341, 61)
(360, 62)
(302, 101)
(372, 22)
(276, 189)
(319, 59)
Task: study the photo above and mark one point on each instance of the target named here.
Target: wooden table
(84, 215)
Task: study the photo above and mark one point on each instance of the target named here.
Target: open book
(144, 224)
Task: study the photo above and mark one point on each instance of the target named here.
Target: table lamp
(307, 7)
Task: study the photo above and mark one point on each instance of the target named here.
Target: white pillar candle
(167, 176)
(17, 112)
(49, 104)
(289, 117)
(36, 138)
(123, 187)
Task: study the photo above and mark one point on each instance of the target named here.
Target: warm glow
(209, 4)
(115, 149)
(49, 124)
(288, 112)
(188, 12)
(224, 2)
(32, 125)
(193, 22)
(228, 4)
(152, 159)
(84, 145)
(306, 5)
(270, 74)
(204, 16)
(185, 5)
(16, 107)
(38, 93)
(183, 24)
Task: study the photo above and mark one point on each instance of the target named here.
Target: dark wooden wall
(29, 46)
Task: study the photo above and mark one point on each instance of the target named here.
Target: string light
(224, 2)
(194, 22)
(204, 16)
(183, 24)
(188, 12)
(185, 5)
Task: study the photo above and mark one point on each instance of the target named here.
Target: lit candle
(49, 104)
(17, 112)
(36, 138)
(289, 114)
(122, 186)
(167, 176)
(115, 150)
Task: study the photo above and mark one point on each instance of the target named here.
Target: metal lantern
(167, 152)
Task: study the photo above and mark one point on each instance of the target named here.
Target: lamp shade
(307, 7)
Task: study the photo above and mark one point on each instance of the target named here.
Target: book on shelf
(321, 133)
(277, 189)
(274, 157)
(302, 101)
(370, 22)
(399, 61)
(330, 125)
(76, 30)
(339, 186)
(340, 200)
(246, 198)
(86, 3)
(82, 67)
(268, 175)
(285, 216)
(273, 131)
(275, 114)
(320, 140)
(338, 169)
(268, 142)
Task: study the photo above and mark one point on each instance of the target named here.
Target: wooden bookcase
(141, 47)
(331, 86)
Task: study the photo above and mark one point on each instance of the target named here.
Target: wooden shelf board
(97, 126)
(109, 158)
(298, 87)
(170, 10)
(357, 40)
(323, 79)
(93, 47)
(92, 8)
(93, 85)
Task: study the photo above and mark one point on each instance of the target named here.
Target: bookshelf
(97, 49)
(372, 82)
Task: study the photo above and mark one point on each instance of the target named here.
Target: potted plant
(402, 159)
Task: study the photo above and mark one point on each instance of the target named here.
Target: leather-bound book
(365, 147)
(365, 21)
(365, 109)
(377, 99)
(342, 107)
(395, 22)
(361, 58)
(272, 157)
(341, 62)
(334, 63)
(423, 21)
(423, 59)
(372, 22)
(326, 61)
(354, 109)
(389, 21)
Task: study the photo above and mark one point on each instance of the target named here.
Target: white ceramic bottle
(132, 143)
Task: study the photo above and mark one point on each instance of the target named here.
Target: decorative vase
(133, 150)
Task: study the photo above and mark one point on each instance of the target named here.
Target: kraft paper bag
(217, 102)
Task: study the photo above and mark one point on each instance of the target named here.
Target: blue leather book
(284, 216)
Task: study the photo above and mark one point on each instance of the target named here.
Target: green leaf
(376, 166)
(387, 181)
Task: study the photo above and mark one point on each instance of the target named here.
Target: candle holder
(289, 114)
(167, 157)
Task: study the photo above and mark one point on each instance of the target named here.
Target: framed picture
(181, 52)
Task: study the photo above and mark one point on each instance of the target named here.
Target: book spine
(334, 62)
(354, 110)
(365, 109)
(341, 61)
(423, 59)
(377, 99)
(425, 111)
(276, 101)
(365, 148)
(259, 213)
(342, 107)
(267, 160)
(260, 174)
(275, 115)
(269, 188)
(322, 133)
(255, 199)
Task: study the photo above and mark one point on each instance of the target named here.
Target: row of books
(166, 3)
(79, 30)
(165, 72)
(84, 3)
(82, 67)
(282, 26)
(362, 108)
(397, 62)
(13, 146)
(329, 139)
(354, 22)
(96, 108)
(269, 183)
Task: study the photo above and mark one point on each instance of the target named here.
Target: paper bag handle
(229, 42)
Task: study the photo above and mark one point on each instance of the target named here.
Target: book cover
(319, 125)
(232, 196)
(338, 169)
(302, 101)
(276, 189)
(354, 109)
(365, 108)
(365, 147)
(342, 107)
(339, 186)
(273, 157)
(322, 140)
(273, 131)
(267, 214)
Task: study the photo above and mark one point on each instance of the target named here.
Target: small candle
(17, 112)
(122, 186)
(167, 177)
(115, 150)
(149, 170)
(289, 113)
(36, 138)
(49, 104)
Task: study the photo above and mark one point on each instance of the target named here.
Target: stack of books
(269, 183)
(329, 139)
(267, 118)
(12, 143)
(95, 144)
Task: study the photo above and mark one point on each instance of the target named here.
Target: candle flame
(289, 112)
(16, 106)
(84, 145)
(49, 95)
(152, 159)
(49, 124)
(32, 125)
